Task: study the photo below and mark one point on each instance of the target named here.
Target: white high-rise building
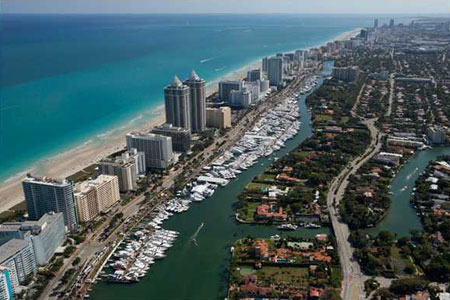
(157, 149)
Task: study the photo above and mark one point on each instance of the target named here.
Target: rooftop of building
(169, 127)
(147, 135)
(46, 180)
(87, 185)
(12, 247)
(35, 227)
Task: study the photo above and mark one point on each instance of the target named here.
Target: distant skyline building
(375, 23)
(226, 86)
(6, 287)
(181, 138)
(18, 257)
(391, 23)
(157, 149)
(348, 74)
(197, 102)
(44, 195)
(275, 70)
(177, 104)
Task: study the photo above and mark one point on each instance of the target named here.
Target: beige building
(95, 196)
(218, 117)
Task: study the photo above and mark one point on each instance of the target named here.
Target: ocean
(68, 79)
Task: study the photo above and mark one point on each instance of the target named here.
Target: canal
(402, 217)
(196, 266)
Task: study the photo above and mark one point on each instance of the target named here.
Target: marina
(139, 251)
(201, 256)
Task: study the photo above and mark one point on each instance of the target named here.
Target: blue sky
(227, 6)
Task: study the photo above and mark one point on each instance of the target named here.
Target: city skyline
(214, 6)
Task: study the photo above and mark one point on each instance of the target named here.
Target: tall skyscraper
(265, 64)
(157, 148)
(44, 195)
(375, 24)
(177, 104)
(197, 102)
(275, 70)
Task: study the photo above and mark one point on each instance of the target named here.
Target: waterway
(402, 217)
(197, 265)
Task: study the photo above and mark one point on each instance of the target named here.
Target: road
(391, 95)
(353, 279)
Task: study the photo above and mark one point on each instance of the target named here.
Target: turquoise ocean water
(66, 79)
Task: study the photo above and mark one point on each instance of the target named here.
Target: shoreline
(96, 147)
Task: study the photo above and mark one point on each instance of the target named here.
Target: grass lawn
(399, 261)
(344, 120)
(256, 186)
(266, 176)
(247, 213)
(301, 154)
(323, 118)
(290, 275)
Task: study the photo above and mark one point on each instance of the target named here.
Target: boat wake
(194, 236)
(207, 59)
(412, 173)
(219, 69)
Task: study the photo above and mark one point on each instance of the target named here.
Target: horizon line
(225, 13)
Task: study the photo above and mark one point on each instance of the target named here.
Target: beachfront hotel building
(18, 257)
(95, 196)
(46, 235)
(126, 167)
(181, 138)
(44, 195)
(254, 75)
(218, 117)
(6, 288)
(157, 149)
(197, 102)
(226, 86)
(275, 70)
(177, 104)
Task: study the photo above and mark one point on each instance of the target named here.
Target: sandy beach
(91, 151)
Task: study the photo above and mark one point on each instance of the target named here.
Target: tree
(410, 285)
(383, 294)
(330, 294)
